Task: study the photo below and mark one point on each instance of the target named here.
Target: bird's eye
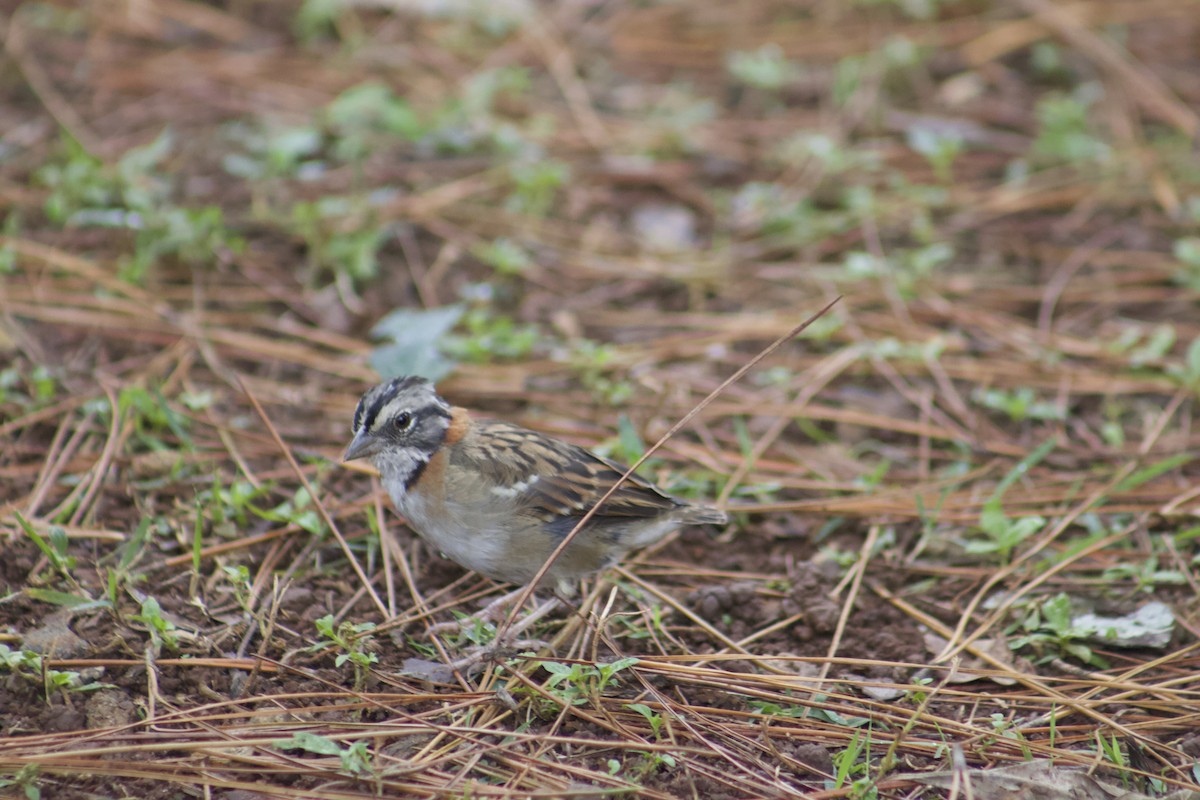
(403, 421)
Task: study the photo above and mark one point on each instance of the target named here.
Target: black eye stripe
(373, 403)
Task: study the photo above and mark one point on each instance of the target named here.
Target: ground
(223, 222)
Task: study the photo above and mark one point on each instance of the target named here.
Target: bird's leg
(507, 638)
(493, 612)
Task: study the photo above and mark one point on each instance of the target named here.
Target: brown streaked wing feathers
(574, 481)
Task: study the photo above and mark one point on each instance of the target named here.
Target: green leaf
(309, 742)
(1153, 471)
(1026, 464)
(64, 599)
(415, 336)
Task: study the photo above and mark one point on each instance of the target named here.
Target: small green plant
(1187, 373)
(55, 547)
(355, 758)
(352, 640)
(596, 365)
(1142, 347)
(1146, 574)
(1018, 404)
(153, 416)
(9, 229)
(488, 336)
(505, 256)
(655, 720)
(536, 185)
(413, 341)
(121, 577)
(576, 684)
(162, 631)
(852, 768)
(941, 149)
(1187, 253)
(368, 117)
(1006, 728)
(1065, 132)
(473, 630)
(30, 666)
(238, 576)
(1049, 633)
(1003, 533)
(135, 194)
(1110, 748)
(647, 764)
(766, 68)
(342, 236)
(24, 779)
(228, 508)
(266, 154)
(296, 511)
(769, 709)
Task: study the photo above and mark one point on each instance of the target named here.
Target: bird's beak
(361, 447)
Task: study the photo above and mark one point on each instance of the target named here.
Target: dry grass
(1040, 357)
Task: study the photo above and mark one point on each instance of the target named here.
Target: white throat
(397, 466)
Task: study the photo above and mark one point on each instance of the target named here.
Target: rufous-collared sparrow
(498, 498)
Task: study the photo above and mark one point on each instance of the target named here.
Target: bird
(498, 498)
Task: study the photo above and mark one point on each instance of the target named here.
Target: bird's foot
(485, 642)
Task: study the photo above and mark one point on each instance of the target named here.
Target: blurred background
(222, 221)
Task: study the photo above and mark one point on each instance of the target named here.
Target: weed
(296, 512)
(162, 631)
(766, 68)
(121, 577)
(30, 666)
(852, 768)
(1142, 347)
(594, 364)
(152, 416)
(238, 576)
(355, 758)
(1110, 748)
(1018, 405)
(647, 764)
(352, 640)
(367, 117)
(1064, 130)
(915, 9)
(227, 507)
(274, 152)
(414, 340)
(1188, 372)
(54, 546)
(505, 256)
(536, 186)
(1003, 533)
(473, 630)
(770, 709)
(1048, 631)
(576, 684)
(1005, 728)
(30, 390)
(940, 147)
(489, 336)
(1187, 253)
(24, 779)
(1146, 575)
(134, 195)
(342, 235)
(655, 720)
